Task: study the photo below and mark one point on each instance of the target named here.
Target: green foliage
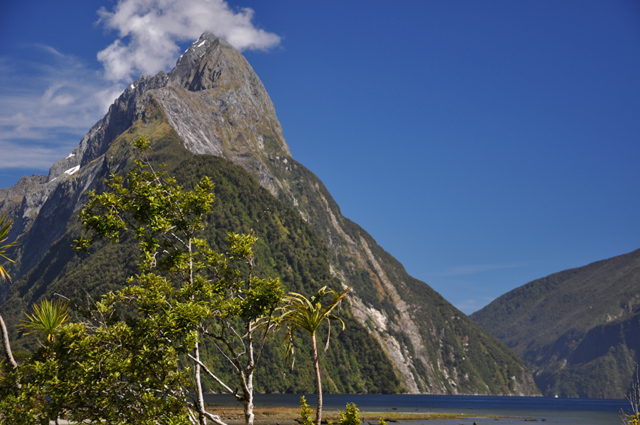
(305, 412)
(47, 318)
(123, 358)
(5, 226)
(186, 289)
(309, 314)
(287, 247)
(155, 208)
(351, 416)
(98, 373)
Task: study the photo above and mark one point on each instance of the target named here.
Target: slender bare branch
(215, 418)
(7, 345)
(235, 332)
(268, 327)
(222, 339)
(212, 375)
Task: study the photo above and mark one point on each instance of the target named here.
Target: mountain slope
(214, 104)
(282, 234)
(577, 330)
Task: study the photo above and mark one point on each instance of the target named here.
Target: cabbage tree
(308, 315)
(47, 317)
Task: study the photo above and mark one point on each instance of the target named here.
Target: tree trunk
(247, 403)
(201, 409)
(7, 346)
(247, 397)
(248, 380)
(316, 367)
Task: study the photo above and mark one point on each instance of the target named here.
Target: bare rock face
(217, 105)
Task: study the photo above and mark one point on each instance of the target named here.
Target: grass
(288, 415)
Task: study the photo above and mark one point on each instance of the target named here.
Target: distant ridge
(578, 330)
(212, 104)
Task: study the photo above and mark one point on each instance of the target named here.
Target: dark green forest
(286, 248)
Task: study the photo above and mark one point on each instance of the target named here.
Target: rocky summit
(214, 104)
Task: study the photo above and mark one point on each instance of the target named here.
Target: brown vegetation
(289, 415)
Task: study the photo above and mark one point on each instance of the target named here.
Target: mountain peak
(218, 106)
(211, 62)
(212, 98)
(180, 76)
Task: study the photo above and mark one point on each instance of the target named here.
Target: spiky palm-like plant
(47, 317)
(308, 314)
(5, 226)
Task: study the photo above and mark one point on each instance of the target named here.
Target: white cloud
(149, 32)
(33, 155)
(47, 106)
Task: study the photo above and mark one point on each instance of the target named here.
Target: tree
(100, 369)
(308, 315)
(94, 372)
(186, 290)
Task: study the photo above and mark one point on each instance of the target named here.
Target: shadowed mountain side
(577, 330)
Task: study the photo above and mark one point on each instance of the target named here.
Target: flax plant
(47, 318)
(5, 226)
(308, 315)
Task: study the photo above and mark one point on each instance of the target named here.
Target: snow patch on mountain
(71, 171)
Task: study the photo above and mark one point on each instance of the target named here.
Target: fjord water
(480, 409)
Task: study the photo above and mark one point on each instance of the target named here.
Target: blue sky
(482, 143)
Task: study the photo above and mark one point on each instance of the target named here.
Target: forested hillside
(577, 330)
(286, 248)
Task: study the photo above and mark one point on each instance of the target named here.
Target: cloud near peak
(47, 105)
(149, 32)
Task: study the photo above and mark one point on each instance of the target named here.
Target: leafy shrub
(305, 412)
(351, 416)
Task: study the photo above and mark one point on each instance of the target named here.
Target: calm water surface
(509, 410)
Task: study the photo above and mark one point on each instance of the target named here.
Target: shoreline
(291, 415)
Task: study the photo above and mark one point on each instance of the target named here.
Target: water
(508, 410)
